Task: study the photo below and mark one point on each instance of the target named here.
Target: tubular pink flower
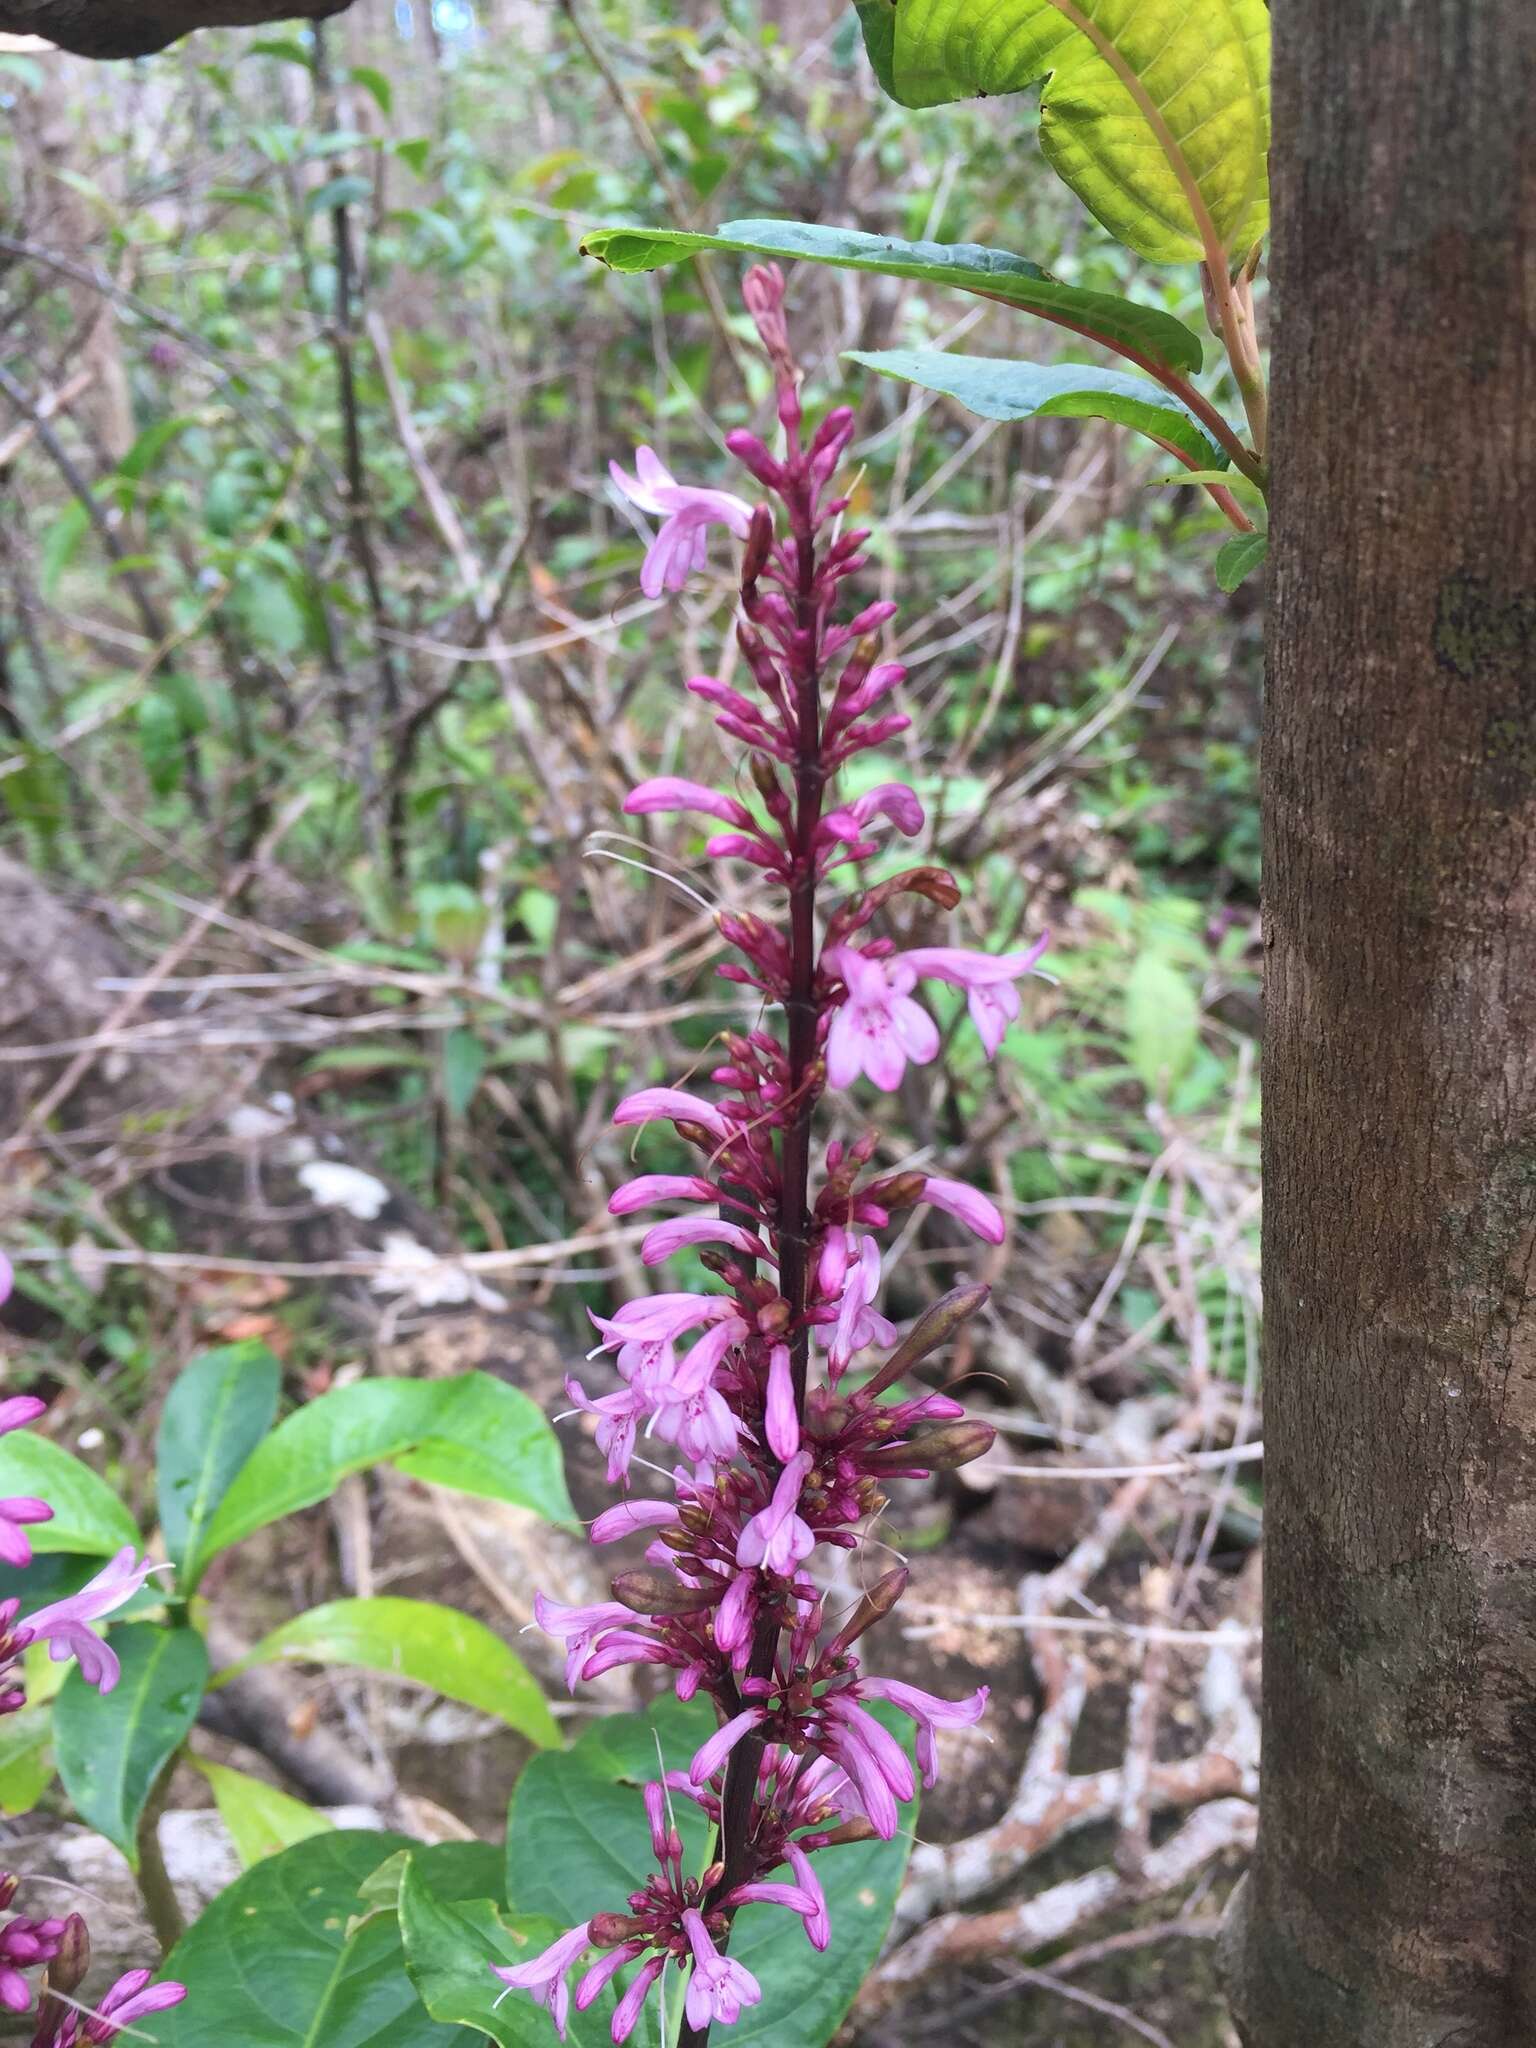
(930, 1713)
(781, 1425)
(648, 1188)
(878, 1027)
(618, 1420)
(764, 1892)
(859, 1322)
(595, 1982)
(627, 2012)
(20, 1409)
(16, 1512)
(131, 1998)
(818, 1922)
(544, 1977)
(713, 1753)
(629, 1516)
(669, 1237)
(734, 1615)
(686, 511)
(776, 1538)
(672, 793)
(718, 1988)
(65, 1624)
(578, 1628)
(894, 800)
(967, 1205)
(671, 1105)
(987, 979)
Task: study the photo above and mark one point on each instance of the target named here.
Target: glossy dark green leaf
(1003, 390)
(473, 1433)
(281, 1959)
(432, 1645)
(965, 266)
(216, 1414)
(111, 1747)
(451, 1947)
(88, 1517)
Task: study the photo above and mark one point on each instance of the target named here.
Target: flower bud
(859, 1830)
(612, 1930)
(760, 533)
(935, 1326)
(878, 1601)
(66, 1972)
(644, 1592)
(939, 1447)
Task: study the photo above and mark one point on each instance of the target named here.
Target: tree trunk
(1393, 1900)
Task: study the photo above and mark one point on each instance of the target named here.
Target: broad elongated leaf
(1002, 390)
(416, 1639)
(277, 1962)
(88, 1517)
(472, 1433)
(215, 1416)
(1155, 112)
(26, 1759)
(578, 1842)
(111, 1747)
(261, 1820)
(963, 265)
(450, 1949)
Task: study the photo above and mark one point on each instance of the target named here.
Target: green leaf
(345, 191)
(577, 1841)
(416, 1639)
(216, 1414)
(376, 85)
(58, 550)
(963, 265)
(450, 1948)
(261, 1820)
(270, 612)
(162, 744)
(453, 1871)
(281, 47)
(279, 1960)
(415, 151)
(1239, 557)
(1155, 112)
(1162, 1022)
(26, 1759)
(463, 1064)
(111, 1747)
(1002, 390)
(472, 1433)
(88, 1517)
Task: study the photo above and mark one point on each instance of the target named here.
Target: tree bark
(1392, 1903)
(134, 28)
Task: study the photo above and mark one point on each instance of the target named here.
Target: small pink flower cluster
(772, 1460)
(61, 1947)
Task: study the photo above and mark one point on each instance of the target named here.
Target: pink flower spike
(878, 1027)
(545, 1975)
(967, 1205)
(631, 1515)
(65, 1625)
(781, 1424)
(818, 1924)
(666, 1238)
(649, 1188)
(674, 1105)
(713, 1753)
(930, 1713)
(672, 793)
(686, 511)
(718, 1988)
(627, 2012)
(776, 1538)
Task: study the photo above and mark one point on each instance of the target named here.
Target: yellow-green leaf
(1155, 112)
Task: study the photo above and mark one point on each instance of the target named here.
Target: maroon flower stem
(794, 1219)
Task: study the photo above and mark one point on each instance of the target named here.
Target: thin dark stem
(794, 1218)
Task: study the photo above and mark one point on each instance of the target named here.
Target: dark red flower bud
(652, 1592)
